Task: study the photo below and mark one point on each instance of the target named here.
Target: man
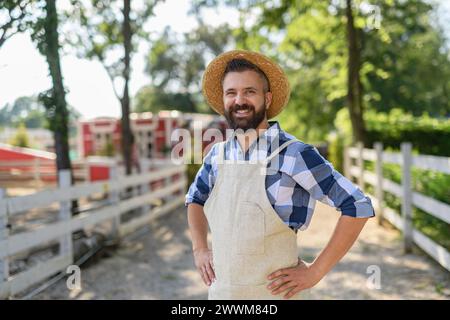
(255, 204)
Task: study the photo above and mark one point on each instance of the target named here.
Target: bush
(430, 183)
(392, 129)
(427, 135)
(21, 137)
(192, 169)
(397, 126)
(339, 139)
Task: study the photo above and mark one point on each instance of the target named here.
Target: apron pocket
(250, 229)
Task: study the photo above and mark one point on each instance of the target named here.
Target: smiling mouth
(242, 113)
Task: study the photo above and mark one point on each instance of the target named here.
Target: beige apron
(249, 239)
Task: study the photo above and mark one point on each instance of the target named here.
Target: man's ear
(268, 99)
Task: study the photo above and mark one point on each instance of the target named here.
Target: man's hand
(304, 276)
(198, 227)
(204, 264)
(294, 279)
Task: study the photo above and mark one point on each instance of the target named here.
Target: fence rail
(39, 169)
(173, 185)
(410, 198)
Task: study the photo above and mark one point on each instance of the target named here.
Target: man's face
(244, 99)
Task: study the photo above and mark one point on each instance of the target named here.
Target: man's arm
(318, 177)
(198, 227)
(196, 197)
(323, 183)
(345, 233)
(293, 280)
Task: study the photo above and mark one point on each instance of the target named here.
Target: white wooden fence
(404, 191)
(39, 169)
(62, 230)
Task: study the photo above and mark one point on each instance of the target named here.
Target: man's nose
(240, 99)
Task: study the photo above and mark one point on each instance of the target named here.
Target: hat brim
(278, 82)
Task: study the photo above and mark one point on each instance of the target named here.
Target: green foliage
(392, 129)
(21, 138)
(192, 169)
(335, 151)
(430, 183)
(153, 99)
(176, 63)
(108, 150)
(26, 110)
(339, 139)
(15, 16)
(405, 62)
(397, 126)
(30, 111)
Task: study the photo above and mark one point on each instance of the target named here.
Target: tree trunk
(125, 101)
(60, 117)
(354, 94)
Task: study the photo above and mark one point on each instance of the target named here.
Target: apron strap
(279, 149)
(221, 155)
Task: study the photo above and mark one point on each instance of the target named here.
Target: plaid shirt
(299, 178)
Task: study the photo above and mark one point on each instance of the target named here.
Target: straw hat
(278, 82)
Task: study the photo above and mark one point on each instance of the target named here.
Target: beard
(251, 121)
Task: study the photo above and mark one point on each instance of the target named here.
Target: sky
(89, 87)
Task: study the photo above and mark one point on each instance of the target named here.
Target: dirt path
(156, 263)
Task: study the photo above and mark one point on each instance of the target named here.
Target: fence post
(114, 199)
(87, 168)
(37, 171)
(4, 233)
(65, 242)
(360, 163)
(168, 181)
(379, 184)
(145, 187)
(407, 196)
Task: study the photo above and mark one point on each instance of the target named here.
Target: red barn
(151, 131)
(102, 137)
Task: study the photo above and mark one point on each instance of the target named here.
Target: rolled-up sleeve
(203, 183)
(319, 178)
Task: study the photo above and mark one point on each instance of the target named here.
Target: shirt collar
(269, 135)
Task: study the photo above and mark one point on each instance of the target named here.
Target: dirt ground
(156, 263)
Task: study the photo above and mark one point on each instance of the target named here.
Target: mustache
(244, 106)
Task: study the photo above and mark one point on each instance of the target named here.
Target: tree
(46, 34)
(26, 110)
(41, 18)
(175, 64)
(102, 35)
(354, 86)
(153, 99)
(403, 57)
(406, 60)
(54, 99)
(15, 16)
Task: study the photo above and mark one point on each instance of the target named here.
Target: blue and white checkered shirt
(301, 177)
